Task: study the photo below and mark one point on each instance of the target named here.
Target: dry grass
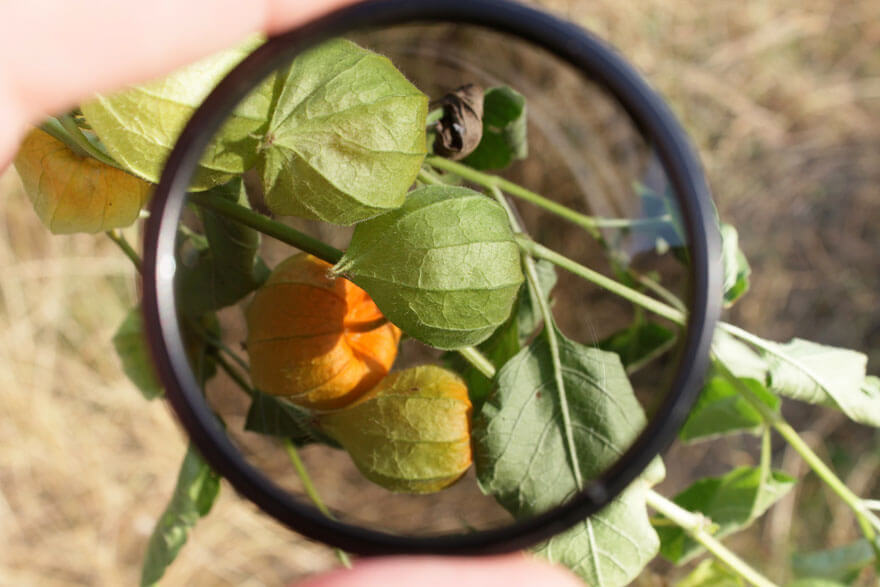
(783, 100)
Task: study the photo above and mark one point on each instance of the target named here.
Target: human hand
(53, 53)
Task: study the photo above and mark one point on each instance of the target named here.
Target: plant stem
(233, 374)
(868, 523)
(433, 116)
(82, 142)
(487, 180)
(478, 360)
(696, 527)
(550, 332)
(267, 226)
(312, 492)
(429, 178)
(541, 252)
(120, 240)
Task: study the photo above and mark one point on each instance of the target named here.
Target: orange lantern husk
(319, 341)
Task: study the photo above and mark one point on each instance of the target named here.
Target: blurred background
(781, 98)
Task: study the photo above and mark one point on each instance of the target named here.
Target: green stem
(866, 520)
(429, 178)
(52, 127)
(126, 248)
(550, 333)
(478, 360)
(696, 526)
(489, 181)
(234, 374)
(267, 226)
(311, 491)
(541, 252)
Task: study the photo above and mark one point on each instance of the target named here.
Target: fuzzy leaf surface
(346, 138)
(140, 125)
(444, 267)
(522, 459)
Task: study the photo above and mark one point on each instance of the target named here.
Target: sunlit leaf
(444, 267)
(736, 266)
(346, 138)
(73, 193)
(825, 375)
(140, 125)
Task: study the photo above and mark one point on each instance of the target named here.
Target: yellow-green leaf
(346, 138)
(140, 125)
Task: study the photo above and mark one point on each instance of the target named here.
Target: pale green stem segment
(697, 527)
(866, 520)
(553, 343)
(312, 492)
(429, 178)
(489, 181)
(267, 226)
(433, 116)
(541, 252)
(591, 224)
(478, 360)
(120, 240)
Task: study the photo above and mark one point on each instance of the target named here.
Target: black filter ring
(599, 63)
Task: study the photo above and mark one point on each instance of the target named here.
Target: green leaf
(843, 564)
(444, 267)
(710, 573)
(528, 309)
(140, 125)
(637, 342)
(505, 129)
(825, 375)
(273, 416)
(347, 137)
(732, 502)
(812, 582)
(195, 493)
(131, 347)
(508, 339)
(736, 266)
(739, 358)
(225, 267)
(721, 409)
(611, 547)
(520, 442)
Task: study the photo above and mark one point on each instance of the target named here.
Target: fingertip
(501, 571)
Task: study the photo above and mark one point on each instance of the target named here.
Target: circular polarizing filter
(430, 277)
